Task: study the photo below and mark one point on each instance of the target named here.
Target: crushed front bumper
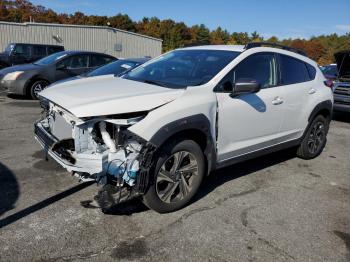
(85, 163)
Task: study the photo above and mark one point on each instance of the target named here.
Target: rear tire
(36, 87)
(315, 138)
(178, 173)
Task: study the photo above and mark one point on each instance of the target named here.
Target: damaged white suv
(157, 131)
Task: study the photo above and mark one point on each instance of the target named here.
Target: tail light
(329, 83)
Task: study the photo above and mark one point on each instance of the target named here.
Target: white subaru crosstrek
(159, 130)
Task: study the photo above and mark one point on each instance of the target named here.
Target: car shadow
(341, 117)
(229, 173)
(127, 208)
(9, 189)
(253, 100)
(42, 204)
(214, 180)
(19, 97)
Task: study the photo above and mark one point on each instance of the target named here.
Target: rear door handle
(277, 101)
(312, 91)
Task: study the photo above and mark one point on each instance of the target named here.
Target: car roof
(235, 48)
(76, 52)
(242, 48)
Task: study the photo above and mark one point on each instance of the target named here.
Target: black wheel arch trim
(325, 105)
(199, 123)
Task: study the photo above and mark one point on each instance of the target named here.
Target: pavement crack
(275, 248)
(244, 216)
(180, 219)
(233, 195)
(218, 203)
(85, 255)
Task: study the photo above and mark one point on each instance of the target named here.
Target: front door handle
(277, 101)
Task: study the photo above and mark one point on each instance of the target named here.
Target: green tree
(200, 35)
(123, 22)
(273, 39)
(219, 36)
(240, 38)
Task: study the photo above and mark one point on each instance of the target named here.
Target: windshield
(182, 68)
(330, 70)
(9, 48)
(114, 68)
(50, 59)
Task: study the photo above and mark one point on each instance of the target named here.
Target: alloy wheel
(38, 87)
(175, 178)
(316, 137)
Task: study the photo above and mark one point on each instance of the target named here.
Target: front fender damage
(112, 194)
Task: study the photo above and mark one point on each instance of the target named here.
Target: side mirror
(246, 86)
(61, 67)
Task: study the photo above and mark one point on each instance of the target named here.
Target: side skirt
(258, 153)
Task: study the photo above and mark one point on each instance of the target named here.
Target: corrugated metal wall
(90, 38)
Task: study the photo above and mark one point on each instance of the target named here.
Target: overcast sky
(293, 18)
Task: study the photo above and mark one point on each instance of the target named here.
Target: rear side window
(293, 71)
(39, 50)
(311, 70)
(97, 60)
(54, 49)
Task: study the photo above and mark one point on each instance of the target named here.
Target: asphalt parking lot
(275, 208)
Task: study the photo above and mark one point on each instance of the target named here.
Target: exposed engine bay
(97, 148)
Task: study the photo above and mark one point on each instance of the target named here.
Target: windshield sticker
(126, 66)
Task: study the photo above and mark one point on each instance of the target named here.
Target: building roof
(82, 26)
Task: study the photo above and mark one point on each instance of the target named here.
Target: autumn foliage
(174, 34)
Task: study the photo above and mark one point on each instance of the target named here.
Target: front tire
(36, 87)
(178, 173)
(315, 138)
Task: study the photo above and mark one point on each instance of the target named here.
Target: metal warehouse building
(116, 42)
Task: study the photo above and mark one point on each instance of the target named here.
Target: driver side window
(261, 67)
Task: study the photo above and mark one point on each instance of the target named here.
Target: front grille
(43, 136)
(342, 90)
(342, 103)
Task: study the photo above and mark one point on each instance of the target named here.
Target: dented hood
(108, 95)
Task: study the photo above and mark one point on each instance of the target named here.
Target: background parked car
(330, 71)
(18, 53)
(30, 79)
(117, 68)
(342, 85)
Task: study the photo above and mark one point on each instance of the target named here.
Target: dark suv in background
(342, 85)
(30, 79)
(18, 53)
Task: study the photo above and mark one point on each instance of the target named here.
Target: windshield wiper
(153, 83)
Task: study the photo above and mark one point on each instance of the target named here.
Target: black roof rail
(268, 44)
